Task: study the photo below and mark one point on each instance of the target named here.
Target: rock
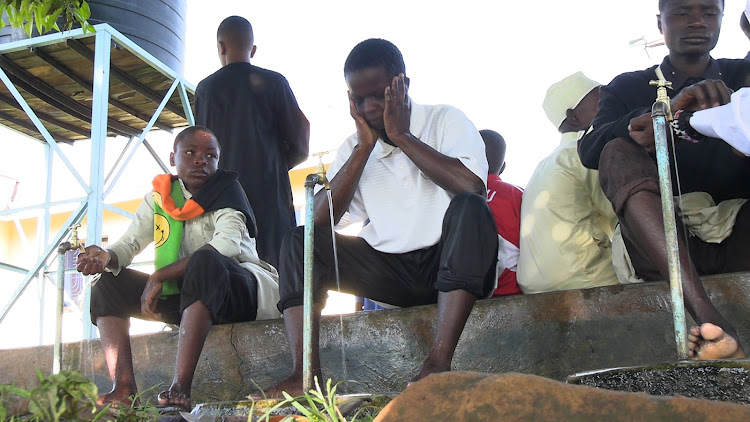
(472, 396)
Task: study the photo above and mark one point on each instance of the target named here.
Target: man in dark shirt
(261, 129)
(621, 145)
(745, 25)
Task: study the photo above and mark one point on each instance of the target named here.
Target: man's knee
(625, 168)
(616, 153)
(469, 210)
(204, 258)
(293, 237)
(468, 200)
(101, 287)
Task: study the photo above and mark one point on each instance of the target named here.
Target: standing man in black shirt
(621, 146)
(261, 130)
(745, 25)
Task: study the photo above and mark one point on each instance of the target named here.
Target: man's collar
(679, 78)
(494, 177)
(569, 137)
(185, 193)
(416, 123)
(382, 149)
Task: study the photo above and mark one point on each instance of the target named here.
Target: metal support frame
(13, 268)
(91, 205)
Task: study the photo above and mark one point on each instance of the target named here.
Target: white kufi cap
(566, 94)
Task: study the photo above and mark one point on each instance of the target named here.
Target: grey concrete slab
(552, 335)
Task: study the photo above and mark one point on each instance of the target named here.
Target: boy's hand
(641, 129)
(367, 135)
(93, 260)
(397, 114)
(150, 296)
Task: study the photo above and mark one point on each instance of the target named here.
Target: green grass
(320, 406)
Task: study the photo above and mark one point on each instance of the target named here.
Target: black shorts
(226, 289)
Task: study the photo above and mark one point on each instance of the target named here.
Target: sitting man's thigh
(120, 296)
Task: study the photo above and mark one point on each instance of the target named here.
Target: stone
(473, 396)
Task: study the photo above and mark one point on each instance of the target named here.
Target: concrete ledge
(552, 335)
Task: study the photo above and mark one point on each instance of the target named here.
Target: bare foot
(117, 398)
(428, 369)
(173, 398)
(710, 342)
(292, 385)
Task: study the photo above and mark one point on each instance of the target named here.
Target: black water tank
(158, 26)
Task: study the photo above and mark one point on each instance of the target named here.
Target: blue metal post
(659, 114)
(307, 320)
(99, 114)
(57, 349)
(44, 237)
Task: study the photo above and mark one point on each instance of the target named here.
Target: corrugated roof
(55, 74)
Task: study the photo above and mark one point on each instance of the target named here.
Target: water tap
(74, 242)
(661, 94)
(321, 171)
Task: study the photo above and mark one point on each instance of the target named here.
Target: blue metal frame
(93, 203)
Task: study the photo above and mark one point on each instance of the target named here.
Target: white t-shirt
(403, 208)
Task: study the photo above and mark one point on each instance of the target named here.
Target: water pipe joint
(659, 109)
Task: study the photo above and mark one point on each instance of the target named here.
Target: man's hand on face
(367, 135)
(641, 129)
(397, 114)
(705, 94)
(93, 261)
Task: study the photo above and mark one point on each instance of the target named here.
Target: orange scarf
(162, 195)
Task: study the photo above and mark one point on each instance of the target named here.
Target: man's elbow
(299, 156)
(475, 186)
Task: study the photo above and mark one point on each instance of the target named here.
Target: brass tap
(74, 242)
(661, 94)
(321, 171)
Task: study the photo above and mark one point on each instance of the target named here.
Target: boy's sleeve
(139, 234)
(229, 230)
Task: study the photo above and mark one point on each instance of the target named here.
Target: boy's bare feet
(173, 398)
(292, 385)
(710, 342)
(116, 398)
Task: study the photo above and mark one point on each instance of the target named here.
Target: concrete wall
(552, 335)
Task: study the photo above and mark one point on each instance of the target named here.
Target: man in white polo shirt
(416, 175)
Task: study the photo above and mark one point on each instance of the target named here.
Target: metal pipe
(307, 319)
(57, 351)
(659, 113)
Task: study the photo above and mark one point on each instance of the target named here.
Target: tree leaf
(85, 10)
(39, 19)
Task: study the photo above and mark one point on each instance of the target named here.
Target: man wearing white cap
(566, 221)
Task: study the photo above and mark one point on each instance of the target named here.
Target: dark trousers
(226, 289)
(625, 169)
(463, 259)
